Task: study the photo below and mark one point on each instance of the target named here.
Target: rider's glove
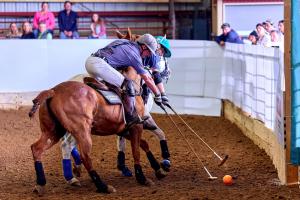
(164, 98)
(157, 99)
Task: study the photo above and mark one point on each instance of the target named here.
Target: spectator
(67, 21)
(281, 26)
(263, 38)
(97, 27)
(281, 30)
(229, 35)
(269, 26)
(43, 33)
(275, 40)
(44, 16)
(27, 31)
(13, 32)
(253, 37)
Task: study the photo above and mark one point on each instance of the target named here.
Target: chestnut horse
(76, 108)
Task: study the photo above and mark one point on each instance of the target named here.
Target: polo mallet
(210, 177)
(223, 160)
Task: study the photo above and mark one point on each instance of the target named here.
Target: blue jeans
(74, 36)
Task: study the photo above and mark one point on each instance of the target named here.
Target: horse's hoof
(74, 182)
(165, 165)
(40, 190)
(111, 189)
(126, 172)
(149, 182)
(160, 174)
(77, 170)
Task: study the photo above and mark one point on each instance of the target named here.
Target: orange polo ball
(227, 180)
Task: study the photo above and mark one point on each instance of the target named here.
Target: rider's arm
(150, 83)
(158, 80)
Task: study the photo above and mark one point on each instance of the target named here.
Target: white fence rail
(202, 73)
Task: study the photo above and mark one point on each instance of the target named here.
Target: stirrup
(137, 120)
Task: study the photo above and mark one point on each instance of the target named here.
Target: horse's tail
(42, 97)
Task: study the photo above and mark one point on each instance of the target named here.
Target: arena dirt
(256, 176)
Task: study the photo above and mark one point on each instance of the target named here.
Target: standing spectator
(13, 32)
(281, 26)
(98, 28)
(27, 31)
(43, 33)
(281, 30)
(253, 37)
(67, 21)
(263, 38)
(269, 26)
(44, 16)
(275, 40)
(229, 35)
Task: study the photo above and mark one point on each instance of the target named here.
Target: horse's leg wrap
(164, 149)
(101, 186)
(76, 156)
(67, 169)
(122, 166)
(139, 175)
(121, 160)
(40, 175)
(154, 164)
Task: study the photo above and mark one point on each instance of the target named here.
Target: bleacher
(154, 22)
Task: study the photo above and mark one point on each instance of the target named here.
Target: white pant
(100, 69)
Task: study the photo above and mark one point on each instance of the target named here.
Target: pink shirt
(47, 17)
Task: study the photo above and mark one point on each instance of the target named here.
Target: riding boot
(128, 99)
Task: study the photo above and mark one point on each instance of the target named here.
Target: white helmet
(149, 41)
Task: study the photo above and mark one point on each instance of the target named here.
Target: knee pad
(157, 77)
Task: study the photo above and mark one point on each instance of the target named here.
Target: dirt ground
(187, 180)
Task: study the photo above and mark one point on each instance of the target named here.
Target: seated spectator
(253, 37)
(229, 35)
(43, 33)
(67, 21)
(27, 31)
(13, 32)
(263, 38)
(97, 27)
(269, 26)
(44, 16)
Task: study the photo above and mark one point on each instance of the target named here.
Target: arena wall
(259, 134)
(202, 75)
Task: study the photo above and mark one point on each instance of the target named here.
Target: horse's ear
(129, 35)
(119, 34)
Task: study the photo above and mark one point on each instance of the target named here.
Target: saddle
(111, 94)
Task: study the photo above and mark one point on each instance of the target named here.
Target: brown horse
(77, 108)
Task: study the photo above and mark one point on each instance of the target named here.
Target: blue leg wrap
(67, 168)
(76, 156)
(40, 175)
